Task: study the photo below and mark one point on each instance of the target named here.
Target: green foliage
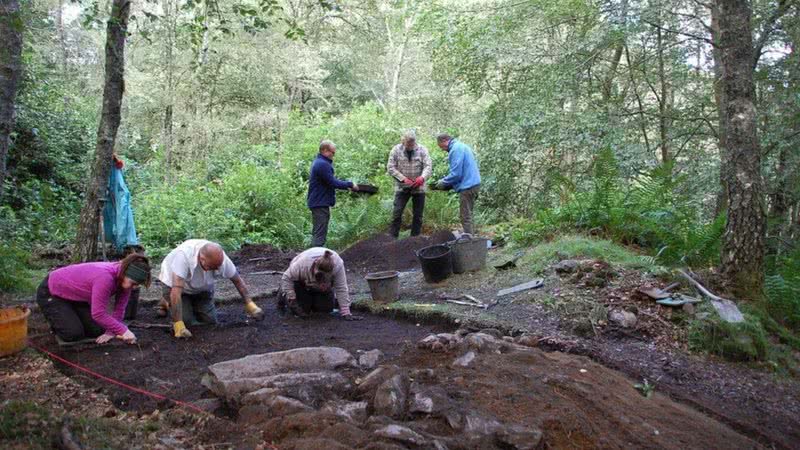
(258, 193)
(572, 246)
(650, 212)
(26, 424)
(15, 276)
(745, 341)
(783, 299)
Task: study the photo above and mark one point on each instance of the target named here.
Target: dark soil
(173, 368)
(382, 252)
(255, 257)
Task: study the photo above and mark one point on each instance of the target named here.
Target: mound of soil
(253, 257)
(382, 252)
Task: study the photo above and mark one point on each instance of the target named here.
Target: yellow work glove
(253, 310)
(180, 330)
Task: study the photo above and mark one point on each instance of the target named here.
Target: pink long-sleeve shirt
(94, 283)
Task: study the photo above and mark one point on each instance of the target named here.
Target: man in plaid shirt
(410, 165)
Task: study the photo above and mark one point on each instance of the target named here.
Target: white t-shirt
(183, 262)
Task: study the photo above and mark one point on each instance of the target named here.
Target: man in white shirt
(188, 274)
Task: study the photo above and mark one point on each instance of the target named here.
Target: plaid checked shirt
(400, 166)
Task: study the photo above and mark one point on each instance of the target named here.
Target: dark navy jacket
(322, 184)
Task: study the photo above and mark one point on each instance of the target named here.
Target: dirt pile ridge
(255, 257)
(382, 252)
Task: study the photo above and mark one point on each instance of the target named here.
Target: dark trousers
(70, 320)
(466, 205)
(196, 309)
(319, 220)
(417, 207)
(310, 300)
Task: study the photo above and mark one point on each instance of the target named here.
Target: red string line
(116, 382)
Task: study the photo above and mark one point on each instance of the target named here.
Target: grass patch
(538, 258)
(26, 424)
(434, 314)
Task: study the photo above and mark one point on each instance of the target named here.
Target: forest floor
(574, 383)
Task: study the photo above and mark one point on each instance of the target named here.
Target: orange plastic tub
(13, 329)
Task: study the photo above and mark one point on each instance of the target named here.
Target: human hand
(103, 338)
(351, 317)
(253, 310)
(420, 181)
(408, 182)
(295, 308)
(354, 188)
(180, 330)
(128, 337)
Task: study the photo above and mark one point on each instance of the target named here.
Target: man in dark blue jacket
(322, 185)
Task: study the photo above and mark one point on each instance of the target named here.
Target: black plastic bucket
(436, 262)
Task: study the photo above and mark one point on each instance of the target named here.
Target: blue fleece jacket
(322, 184)
(463, 167)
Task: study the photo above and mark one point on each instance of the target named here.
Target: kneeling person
(315, 281)
(188, 274)
(75, 299)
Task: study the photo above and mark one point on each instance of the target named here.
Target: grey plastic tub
(384, 286)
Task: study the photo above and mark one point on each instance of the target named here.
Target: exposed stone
(390, 397)
(481, 342)
(519, 437)
(231, 378)
(455, 419)
(622, 318)
(348, 434)
(428, 399)
(208, 404)
(423, 374)
(465, 359)
(494, 332)
(353, 411)
(433, 343)
(402, 434)
(566, 266)
(376, 378)
(313, 444)
(478, 425)
(276, 406)
(310, 388)
(528, 340)
(370, 359)
(449, 340)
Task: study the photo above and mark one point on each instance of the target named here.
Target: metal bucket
(469, 253)
(384, 286)
(436, 262)
(13, 329)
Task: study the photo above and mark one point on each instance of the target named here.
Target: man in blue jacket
(464, 177)
(322, 185)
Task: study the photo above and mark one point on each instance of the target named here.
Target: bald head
(211, 256)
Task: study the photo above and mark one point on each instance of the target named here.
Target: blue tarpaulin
(118, 214)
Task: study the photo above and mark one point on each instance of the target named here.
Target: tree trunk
(88, 223)
(743, 242)
(719, 97)
(10, 71)
(169, 69)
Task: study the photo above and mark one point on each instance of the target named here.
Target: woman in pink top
(75, 299)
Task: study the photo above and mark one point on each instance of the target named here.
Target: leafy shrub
(15, 276)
